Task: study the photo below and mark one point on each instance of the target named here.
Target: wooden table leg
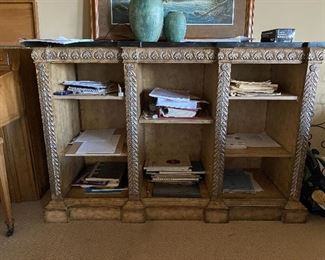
(4, 193)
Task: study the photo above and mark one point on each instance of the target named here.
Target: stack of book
(88, 87)
(246, 88)
(103, 177)
(172, 175)
(176, 104)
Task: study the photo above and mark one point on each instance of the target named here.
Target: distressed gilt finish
(132, 129)
(77, 55)
(224, 77)
(306, 115)
(262, 55)
(169, 55)
(46, 103)
(218, 209)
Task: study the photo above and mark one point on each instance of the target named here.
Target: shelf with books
(103, 179)
(88, 97)
(205, 73)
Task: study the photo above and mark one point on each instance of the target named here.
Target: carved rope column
(133, 211)
(46, 103)
(224, 77)
(305, 119)
(217, 211)
(294, 212)
(132, 112)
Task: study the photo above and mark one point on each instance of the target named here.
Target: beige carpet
(34, 239)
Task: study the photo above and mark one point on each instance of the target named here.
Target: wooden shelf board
(270, 196)
(274, 152)
(195, 121)
(121, 149)
(77, 194)
(83, 97)
(283, 97)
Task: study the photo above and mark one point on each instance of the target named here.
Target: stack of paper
(243, 141)
(88, 87)
(177, 104)
(246, 88)
(99, 141)
(174, 170)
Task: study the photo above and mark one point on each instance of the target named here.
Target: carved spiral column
(132, 112)
(46, 103)
(224, 77)
(305, 119)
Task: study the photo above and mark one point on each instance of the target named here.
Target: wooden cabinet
(23, 138)
(205, 70)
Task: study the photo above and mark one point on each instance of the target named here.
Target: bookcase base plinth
(133, 212)
(216, 212)
(174, 213)
(255, 213)
(294, 212)
(56, 212)
(94, 213)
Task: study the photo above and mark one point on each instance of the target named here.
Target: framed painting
(206, 19)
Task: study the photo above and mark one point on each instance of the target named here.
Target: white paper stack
(245, 140)
(246, 88)
(101, 141)
(175, 103)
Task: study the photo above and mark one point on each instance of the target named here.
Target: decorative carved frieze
(169, 55)
(176, 55)
(261, 55)
(306, 116)
(316, 54)
(132, 129)
(222, 103)
(77, 55)
(46, 104)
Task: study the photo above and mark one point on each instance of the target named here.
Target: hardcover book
(179, 163)
(108, 171)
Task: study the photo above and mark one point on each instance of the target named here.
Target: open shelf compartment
(277, 116)
(169, 137)
(271, 174)
(74, 115)
(198, 79)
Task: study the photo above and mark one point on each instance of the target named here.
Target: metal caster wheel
(10, 230)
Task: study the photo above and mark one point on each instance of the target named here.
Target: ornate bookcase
(206, 70)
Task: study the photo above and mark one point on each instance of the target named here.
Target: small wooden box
(10, 100)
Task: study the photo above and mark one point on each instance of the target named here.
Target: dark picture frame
(103, 26)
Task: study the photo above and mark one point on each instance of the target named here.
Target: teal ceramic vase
(146, 19)
(175, 26)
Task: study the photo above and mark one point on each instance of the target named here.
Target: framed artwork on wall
(206, 19)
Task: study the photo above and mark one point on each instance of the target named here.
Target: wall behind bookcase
(70, 19)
